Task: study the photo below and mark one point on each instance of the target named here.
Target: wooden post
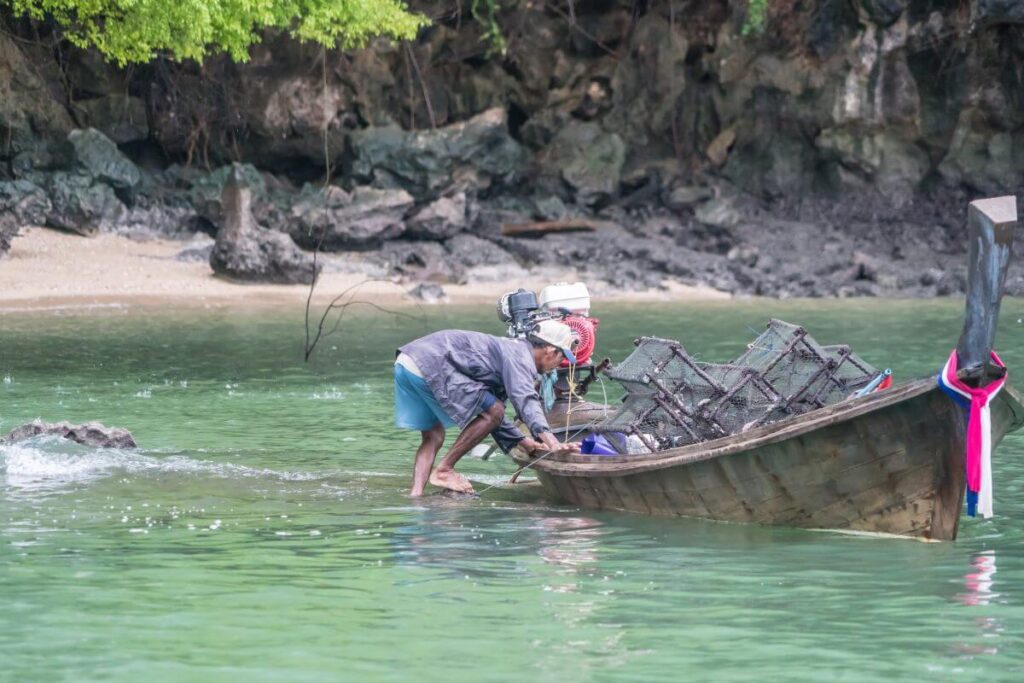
(990, 224)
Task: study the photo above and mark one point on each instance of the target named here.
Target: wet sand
(51, 269)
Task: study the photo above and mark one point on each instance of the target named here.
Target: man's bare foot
(450, 479)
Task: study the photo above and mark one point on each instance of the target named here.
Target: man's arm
(507, 435)
(519, 381)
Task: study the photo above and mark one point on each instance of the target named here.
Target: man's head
(552, 342)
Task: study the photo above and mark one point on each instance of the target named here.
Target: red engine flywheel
(586, 330)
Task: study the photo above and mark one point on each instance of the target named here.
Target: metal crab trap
(673, 400)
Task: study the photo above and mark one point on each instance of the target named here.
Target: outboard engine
(518, 310)
(570, 303)
(567, 303)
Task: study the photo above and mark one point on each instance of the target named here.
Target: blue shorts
(415, 404)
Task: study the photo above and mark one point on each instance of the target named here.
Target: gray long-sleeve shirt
(461, 366)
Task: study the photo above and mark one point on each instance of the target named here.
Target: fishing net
(674, 400)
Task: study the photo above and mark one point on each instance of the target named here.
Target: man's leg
(433, 439)
(483, 424)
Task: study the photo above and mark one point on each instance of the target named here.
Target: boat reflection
(569, 543)
(978, 592)
(978, 581)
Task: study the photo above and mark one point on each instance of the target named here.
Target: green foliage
(140, 30)
(486, 13)
(754, 22)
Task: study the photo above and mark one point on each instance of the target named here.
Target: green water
(260, 532)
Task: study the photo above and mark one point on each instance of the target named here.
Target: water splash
(48, 463)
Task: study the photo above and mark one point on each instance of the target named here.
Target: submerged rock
(245, 251)
(91, 434)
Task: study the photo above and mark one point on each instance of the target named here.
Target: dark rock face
(817, 159)
(335, 219)
(92, 434)
(442, 218)
(98, 157)
(21, 203)
(247, 252)
(471, 155)
(588, 160)
(883, 12)
(991, 12)
(207, 191)
(120, 117)
(30, 116)
(82, 205)
(472, 252)
(421, 261)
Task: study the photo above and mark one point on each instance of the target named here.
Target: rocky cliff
(831, 152)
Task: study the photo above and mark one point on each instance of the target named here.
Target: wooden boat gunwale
(581, 465)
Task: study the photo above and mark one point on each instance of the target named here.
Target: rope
(568, 412)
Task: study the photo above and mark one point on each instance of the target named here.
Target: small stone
(719, 213)
(429, 292)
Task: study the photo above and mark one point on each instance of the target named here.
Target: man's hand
(548, 442)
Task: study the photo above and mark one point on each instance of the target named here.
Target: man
(454, 377)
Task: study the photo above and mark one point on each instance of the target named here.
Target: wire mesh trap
(674, 400)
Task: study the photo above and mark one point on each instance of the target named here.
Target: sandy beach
(47, 268)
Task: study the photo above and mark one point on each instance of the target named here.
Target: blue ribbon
(965, 406)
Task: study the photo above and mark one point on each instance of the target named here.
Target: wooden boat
(891, 461)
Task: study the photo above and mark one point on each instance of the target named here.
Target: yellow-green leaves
(139, 30)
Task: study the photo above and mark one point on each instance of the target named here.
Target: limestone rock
(588, 159)
(207, 190)
(884, 12)
(196, 250)
(471, 156)
(442, 218)
(990, 12)
(686, 196)
(120, 117)
(29, 114)
(421, 261)
(335, 219)
(92, 434)
(472, 251)
(96, 155)
(719, 213)
(247, 252)
(21, 203)
(83, 206)
(428, 292)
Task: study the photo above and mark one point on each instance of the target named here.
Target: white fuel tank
(574, 297)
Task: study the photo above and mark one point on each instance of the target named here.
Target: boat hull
(892, 462)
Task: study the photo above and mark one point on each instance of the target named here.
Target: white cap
(559, 335)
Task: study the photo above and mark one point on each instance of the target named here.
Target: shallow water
(260, 532)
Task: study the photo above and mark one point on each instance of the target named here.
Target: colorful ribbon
(979, 432)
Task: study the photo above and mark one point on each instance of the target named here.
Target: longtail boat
(891, 461)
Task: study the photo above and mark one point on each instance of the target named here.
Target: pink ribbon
(979, 429)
